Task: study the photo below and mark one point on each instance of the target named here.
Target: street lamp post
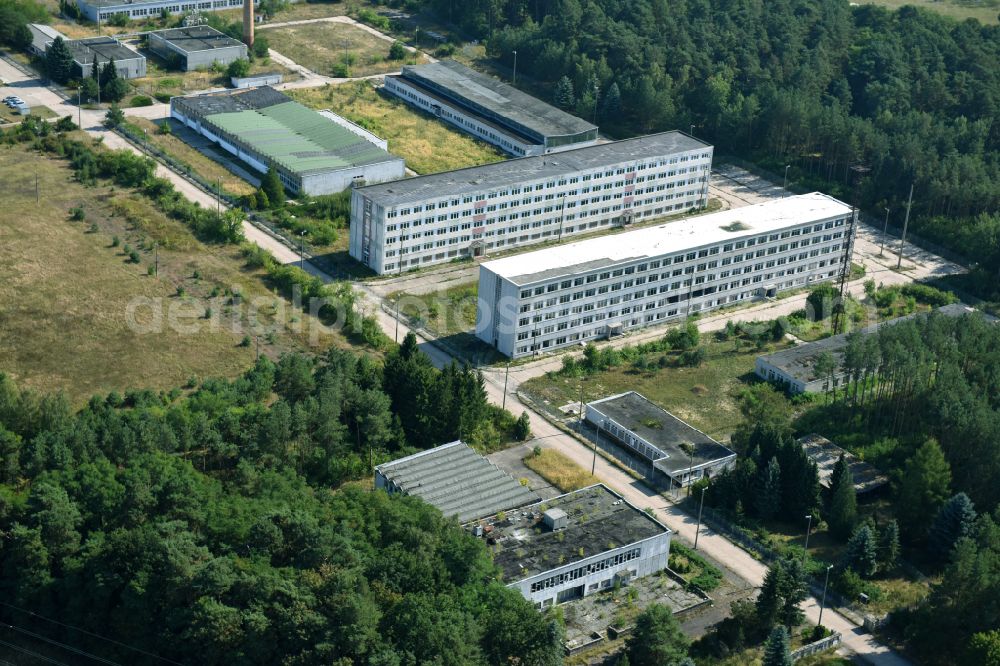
(785, 186)
(701, 505)
(822, 603)
(302, 249)
(513, 79)
(691, 130)
(593, 465)
(809, 522)
(79, 107)
(885, 228)
(506, 376)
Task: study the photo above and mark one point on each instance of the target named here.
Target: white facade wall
(455, 115)
(772, 373)
(425, 231)
(567, 311)
(146, 10)
(597, 572)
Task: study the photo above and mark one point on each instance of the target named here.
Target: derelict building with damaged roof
(551, 551)
(588, 290)
(489, 109)
(262, 127)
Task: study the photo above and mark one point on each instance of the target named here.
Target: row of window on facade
(586, 570)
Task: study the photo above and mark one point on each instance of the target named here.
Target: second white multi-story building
(471, 212)
(579, 292)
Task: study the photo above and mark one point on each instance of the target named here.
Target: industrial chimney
(248, 22)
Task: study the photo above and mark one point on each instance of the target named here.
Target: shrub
(133, 256)
(77, 214)
(340, 71)
(115, 241)
(141, 100)
(245, 342)
(93, 228)
(162, 97)
(397, 51)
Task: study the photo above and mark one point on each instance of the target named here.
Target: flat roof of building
(46, 30)
(495, 96)
(799, 361)
(825, 454)
(663, 430)
(298, 138)
(102, 48)
(509, 173)
(458, 481)
(587, 255)
(197, 38)
(598, 520)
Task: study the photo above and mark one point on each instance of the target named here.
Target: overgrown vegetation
(559, 470)
(202, 529)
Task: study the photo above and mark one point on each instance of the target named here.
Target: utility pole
(809, 522)
(513, 79)
(156, 260)
(701, 506)
(845, 272)
(79, 107)
(36, 188)
(218, 206)
(593, 465)
(506, 376)
(885, 228)
(906, 223)
(822, 604)
(399, 271)
(784, 188)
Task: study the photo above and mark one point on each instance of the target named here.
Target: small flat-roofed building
(575, 293)
(795, 368)
(262, 127)
(129, 63)
(825, 454)
(255, 80)
(103, 10)
(679, 451)
(195, 47)
(489, 109)
(599, 538)
(498, 207)
(456, 480)
(41, 37)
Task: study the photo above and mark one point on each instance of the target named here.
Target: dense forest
(204, 526)
(816, 84)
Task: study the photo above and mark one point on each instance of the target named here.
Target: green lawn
(427, 144)
(707, 397)
(336, 49)
(444, 313)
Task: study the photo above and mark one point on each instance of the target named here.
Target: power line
(64, 646)
(33, 654)
(90, 633)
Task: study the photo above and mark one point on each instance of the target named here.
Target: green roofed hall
(311, 153)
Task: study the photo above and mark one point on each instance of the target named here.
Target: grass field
(336, 49)
(444, 313)
(164, 81)
(66, 289)
(177, 148)
(8, 115)
(559, 470)
(707, 397)
(956, 10)
(427, 144)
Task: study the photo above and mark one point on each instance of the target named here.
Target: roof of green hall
(298, 138)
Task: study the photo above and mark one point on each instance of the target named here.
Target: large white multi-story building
(470, 212)
(583, 291)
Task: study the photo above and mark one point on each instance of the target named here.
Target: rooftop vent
(736, 226)
(555, 519)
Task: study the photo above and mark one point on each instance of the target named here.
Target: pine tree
(888, 547)
(923, 488)
(95, 73)
(769, 601)
(612, 103)
(842, 509)
(108, 73)
(768, 498)
(793, 592)
(657, 638)
(954, 521)
(861, 554)
(59, 61)
(564, 97)
(777, 650)
(271, 185)
(522, 429)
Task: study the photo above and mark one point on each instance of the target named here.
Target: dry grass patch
(956, 10)
(336, 49)
(66, 290)
(176, 147)
(427, 144)
(559, 470)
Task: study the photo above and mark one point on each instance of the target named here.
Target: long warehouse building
(580, 292)
(489, 109)
(437, 218)
(262, 127)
